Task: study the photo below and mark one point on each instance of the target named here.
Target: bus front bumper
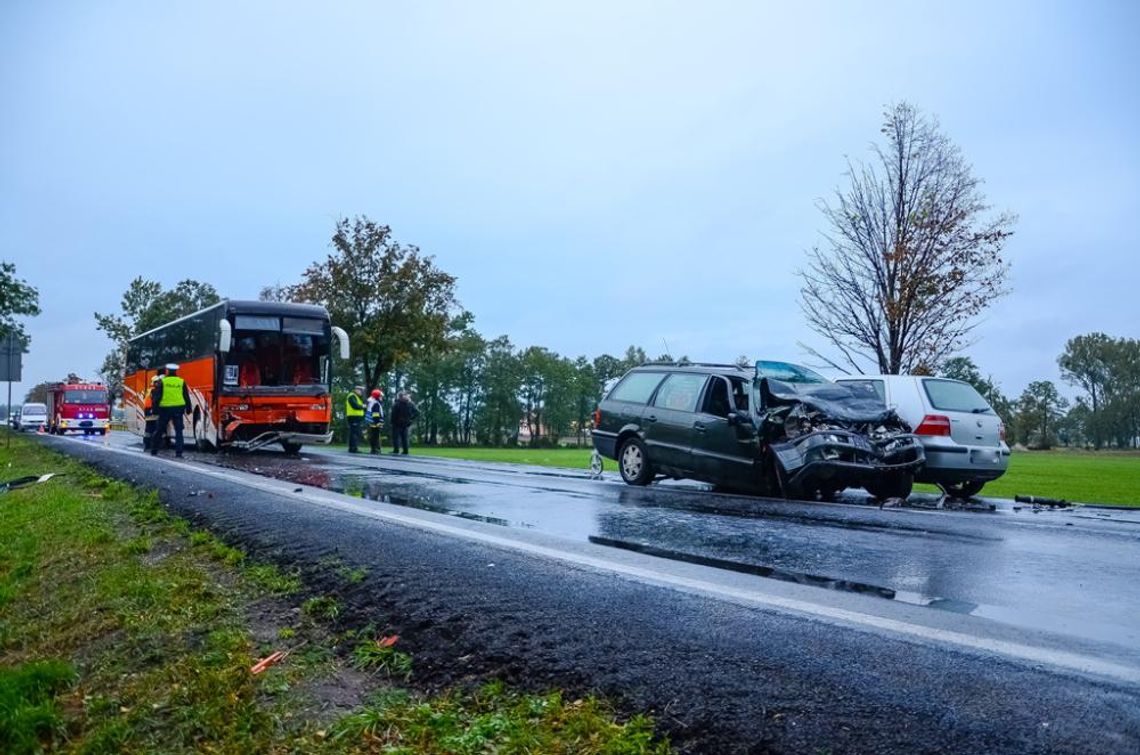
(282, 436)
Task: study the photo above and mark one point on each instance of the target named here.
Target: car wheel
(634, 464)
(894, 485)
(291, 448)
(964, 489)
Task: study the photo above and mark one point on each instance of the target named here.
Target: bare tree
(911, 257)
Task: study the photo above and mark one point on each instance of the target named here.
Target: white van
(963, 437)
(32, 417)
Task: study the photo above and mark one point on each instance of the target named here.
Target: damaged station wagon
(775, 429)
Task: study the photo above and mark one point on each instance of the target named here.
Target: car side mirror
(745, 428)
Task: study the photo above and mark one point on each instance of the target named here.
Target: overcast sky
(595, 173)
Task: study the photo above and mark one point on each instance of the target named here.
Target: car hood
(836, 401)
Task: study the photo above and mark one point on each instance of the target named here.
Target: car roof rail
(694, 364)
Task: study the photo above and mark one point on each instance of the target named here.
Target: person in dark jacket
(404, 412)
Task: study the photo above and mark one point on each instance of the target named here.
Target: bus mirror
(342, 339)
(225, 335)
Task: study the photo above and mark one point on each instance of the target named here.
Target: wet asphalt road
(1072, 572)
(1057, 582)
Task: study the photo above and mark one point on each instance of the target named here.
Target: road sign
(11, 359)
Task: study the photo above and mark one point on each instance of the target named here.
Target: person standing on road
(374, 419)
(404, 412)
(150, 413)
(173, 400)
(354, 414)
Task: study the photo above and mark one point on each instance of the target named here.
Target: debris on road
(1039, 501)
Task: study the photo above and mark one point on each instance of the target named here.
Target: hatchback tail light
(597, 417)
(933, 424)
(1001, 432)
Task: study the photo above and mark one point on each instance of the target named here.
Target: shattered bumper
(840, 458)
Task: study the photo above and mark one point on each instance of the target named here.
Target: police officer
(173, 400)
(354, 413)
(374, 419)
(150, 413)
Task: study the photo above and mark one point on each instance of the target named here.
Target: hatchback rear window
(955, 396)
(870, 386)
(636, 387)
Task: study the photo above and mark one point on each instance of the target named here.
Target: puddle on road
(360, 486)
(786, 575)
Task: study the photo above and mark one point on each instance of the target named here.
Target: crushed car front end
(823, 437)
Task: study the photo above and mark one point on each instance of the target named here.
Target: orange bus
(258, 373)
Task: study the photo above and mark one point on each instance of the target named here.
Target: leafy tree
(1088, 363)
(17, 299)
(393, 301)
(469, 364)
(38, 393)
(587, 392)
(634, 357)
(497, 417)
(1041, 408)
(538, 373)
(911, 257)
(145, 306)
(276, 292)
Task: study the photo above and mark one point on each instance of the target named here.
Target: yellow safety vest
(349, 409)
(172, 392)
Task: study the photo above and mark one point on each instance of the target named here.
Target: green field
(1087, 476)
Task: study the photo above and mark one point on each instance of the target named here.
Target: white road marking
(1056, 658)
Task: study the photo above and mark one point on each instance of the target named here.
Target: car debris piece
(1039, 501)
(389, 641)
(23, 482)
(275, 657)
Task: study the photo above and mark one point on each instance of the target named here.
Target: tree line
(408, 332)
(1106, 413)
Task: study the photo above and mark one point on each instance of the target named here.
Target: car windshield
(786, 372)
(29, 411)
(955, 396)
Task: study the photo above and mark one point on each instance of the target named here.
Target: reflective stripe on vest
(172, 392)
(350, 410)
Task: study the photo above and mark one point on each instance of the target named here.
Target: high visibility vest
(172, 392)
(351, 410)
(151, 411)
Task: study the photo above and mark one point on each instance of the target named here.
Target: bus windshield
(277, 351)
(84, 397)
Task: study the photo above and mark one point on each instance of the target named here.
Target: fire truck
(78, 407)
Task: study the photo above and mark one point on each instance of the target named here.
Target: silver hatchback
(963, 436)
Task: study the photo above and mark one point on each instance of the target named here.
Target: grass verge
(122, 630)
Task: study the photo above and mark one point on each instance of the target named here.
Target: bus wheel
(291, 448)
(200, 441)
